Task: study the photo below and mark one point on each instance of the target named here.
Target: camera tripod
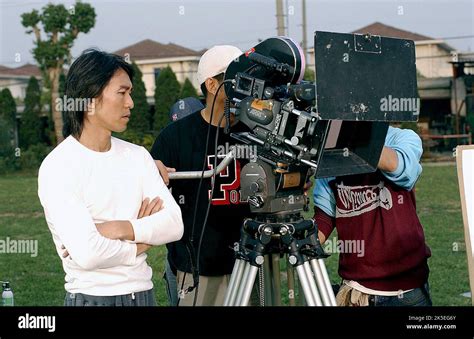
(296, 237)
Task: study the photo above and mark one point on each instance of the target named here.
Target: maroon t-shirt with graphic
(372, 209)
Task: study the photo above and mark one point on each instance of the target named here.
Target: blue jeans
(417, 297)
(171, 285)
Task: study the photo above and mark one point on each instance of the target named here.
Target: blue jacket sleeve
(324, 197)
(406, 143)
(409, 149)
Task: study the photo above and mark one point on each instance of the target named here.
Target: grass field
(39, 280)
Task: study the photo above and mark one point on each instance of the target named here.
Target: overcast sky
(202, 24)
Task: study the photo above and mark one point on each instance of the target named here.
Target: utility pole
(280, 19)
(304, 43)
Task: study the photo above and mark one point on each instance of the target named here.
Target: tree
(7, 107)
(61, 28)
(31, 132)
(62, 85)
(188, 90)
(139, 120)
(309, 75)
(7, 122)
(167, 90)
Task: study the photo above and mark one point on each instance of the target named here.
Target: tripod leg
(301, 298)
(235, 280)
(332, 297)
(261, 287)
(268, 281)
(312, 284)
(291, 284)
(245, 289)
(320, 282)
(303, 278)
(276, 279)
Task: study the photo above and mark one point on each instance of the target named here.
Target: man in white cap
(182, 147)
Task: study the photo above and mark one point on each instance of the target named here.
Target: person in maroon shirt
(385, 263)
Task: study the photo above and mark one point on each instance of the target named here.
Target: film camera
(335, 126)
(332, 127)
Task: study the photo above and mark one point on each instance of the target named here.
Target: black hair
(219, 77)
(86, 79)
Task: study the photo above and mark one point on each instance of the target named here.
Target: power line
(458, 37)
(459, 55)
(226, 42)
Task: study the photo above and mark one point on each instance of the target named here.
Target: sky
(202, 24)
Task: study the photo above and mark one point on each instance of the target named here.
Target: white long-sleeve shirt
(79, 187)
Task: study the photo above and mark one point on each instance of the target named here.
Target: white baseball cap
(215, 61)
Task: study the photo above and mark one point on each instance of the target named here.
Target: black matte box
(357, 148)
(355, 72)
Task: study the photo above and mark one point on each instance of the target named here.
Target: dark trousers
(144, 298)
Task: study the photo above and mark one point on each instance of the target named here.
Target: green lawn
(39, 280)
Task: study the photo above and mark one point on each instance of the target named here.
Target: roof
(25, 70)
(149, 49)
(378, 28)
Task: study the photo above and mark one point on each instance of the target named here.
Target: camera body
(333, 127)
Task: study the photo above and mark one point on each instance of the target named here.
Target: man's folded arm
(75, 227)
(166, 225)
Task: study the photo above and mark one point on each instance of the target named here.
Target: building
(16, 79)
(443, 87)
(151, 57)
(432, 55)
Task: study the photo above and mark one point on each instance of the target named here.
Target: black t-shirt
(182, 145)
